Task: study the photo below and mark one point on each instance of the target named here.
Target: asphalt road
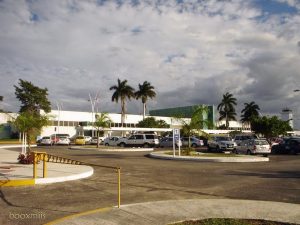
(146, 179)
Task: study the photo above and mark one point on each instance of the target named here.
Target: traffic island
(208, 157)
(14, 174)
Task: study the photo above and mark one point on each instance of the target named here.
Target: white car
(47, 140)
(87, 139)
(112, 141)
(94, 140)
(255, 146)
(221, 143)
(63, 141)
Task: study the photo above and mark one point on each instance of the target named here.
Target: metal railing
(45, 157)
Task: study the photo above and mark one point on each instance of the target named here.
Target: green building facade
(185, 112)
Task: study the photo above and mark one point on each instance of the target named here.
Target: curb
(171, 211)
(17, 183)
(14, 146)
(116, 149)
(49, 180)
(162, 155)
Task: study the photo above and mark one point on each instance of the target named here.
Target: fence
(45, 157)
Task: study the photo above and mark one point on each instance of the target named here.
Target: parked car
(63, 141)
(242, 139)
(112, 141)
(168, 142)
(93, 141)
(195, 142)
(289, 145)
(87, 139)
(254, 146)
(55, 137)
(47, 140)
(140, 140)
(80, 140)
(221, 143)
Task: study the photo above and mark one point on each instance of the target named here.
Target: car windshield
(46, 138)
(223, 139)
(261, 142)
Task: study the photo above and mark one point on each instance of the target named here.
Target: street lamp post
(93, 104)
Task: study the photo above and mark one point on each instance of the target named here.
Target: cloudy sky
(190, 51)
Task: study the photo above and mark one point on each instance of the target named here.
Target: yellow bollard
(34, 164)
(119, 187)
(44, 165)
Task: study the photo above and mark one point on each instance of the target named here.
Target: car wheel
(146, 145)
(248, 152)
(265, 155)
(218, 148)
(106, 144)
(194, 145)
(208, 148)
(122, 144)
(234, 151)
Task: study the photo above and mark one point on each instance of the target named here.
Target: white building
(74, 123)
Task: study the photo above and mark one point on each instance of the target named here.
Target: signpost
(176, 137)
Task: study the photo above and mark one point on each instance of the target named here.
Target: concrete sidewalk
(166, 212)
(14, 174)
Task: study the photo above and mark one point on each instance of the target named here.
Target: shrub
(25, 158)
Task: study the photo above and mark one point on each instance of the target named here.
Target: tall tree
(102, 121)
(1, 100)
(32, 98)
(145, 91)
(122, 92)
(250, 112)
(270, 126)
(226, 108)
(151, 122)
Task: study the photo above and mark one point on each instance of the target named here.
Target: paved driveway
(145, 179)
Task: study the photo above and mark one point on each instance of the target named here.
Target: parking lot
(146, 179)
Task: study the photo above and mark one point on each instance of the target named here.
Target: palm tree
(102, 121)
(226, 108)
(122, 91)
(145, 91)
(249, 112)
(196, 123)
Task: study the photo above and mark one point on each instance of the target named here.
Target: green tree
(151, 122)
(102, 121)
(270, 126)
(30, 124)
(1, 100)
(250, 112)
(145, 91)
(122, 91)
(196, 123)
(226, 108)
(32, 98)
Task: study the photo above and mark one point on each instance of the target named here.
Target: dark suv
(287, 146)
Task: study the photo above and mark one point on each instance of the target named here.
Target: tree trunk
(123, 112)
(97, 138)
(144, 110)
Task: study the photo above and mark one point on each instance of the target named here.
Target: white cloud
(191, 52)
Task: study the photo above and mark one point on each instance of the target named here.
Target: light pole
(93, 104)
(59, 108)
